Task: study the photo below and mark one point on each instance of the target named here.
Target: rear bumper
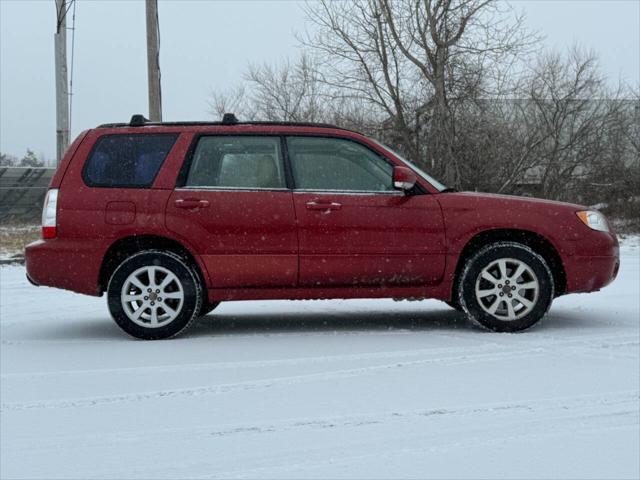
(67, 264)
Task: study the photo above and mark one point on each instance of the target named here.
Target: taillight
(49, 210)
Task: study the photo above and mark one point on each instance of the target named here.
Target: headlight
(594, 220)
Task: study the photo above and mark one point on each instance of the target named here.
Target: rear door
(354, 228)
(236, 210)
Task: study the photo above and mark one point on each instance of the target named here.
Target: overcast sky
(206, 45)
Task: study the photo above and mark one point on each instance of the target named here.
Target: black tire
(185, 309)
(207, 307)
(539, 298)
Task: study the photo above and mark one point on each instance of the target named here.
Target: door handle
(323, 206)
(191, 203)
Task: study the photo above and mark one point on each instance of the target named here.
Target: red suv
(169, 219)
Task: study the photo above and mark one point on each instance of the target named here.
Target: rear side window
(242, 162)
(127, 160)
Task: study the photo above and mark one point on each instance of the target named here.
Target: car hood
(475, 199)
(466, 213)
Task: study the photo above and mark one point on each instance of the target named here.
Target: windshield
(440, 187)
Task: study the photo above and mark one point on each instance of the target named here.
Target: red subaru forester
(169, 219)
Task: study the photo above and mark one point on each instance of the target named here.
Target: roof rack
(139, 120)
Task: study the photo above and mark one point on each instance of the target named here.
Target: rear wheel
(154, 295)
(506, 287)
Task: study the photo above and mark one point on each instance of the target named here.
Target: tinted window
(127, 160)
(237, 162)
(337, 164)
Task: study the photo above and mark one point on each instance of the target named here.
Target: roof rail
(228, 119)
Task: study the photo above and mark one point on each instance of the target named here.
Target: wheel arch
(127, 246)
(538, 243)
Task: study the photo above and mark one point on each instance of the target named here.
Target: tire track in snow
(613, 403)
(436, 353)
(622, 413)
(310, 331)
(291, 463)
(613, 409)
(197, 367)
(258, 384)
(456, 359)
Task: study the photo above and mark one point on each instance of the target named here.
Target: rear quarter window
(128, 161)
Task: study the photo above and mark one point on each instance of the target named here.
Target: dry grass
(13, 238)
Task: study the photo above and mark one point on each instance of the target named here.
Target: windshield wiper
(448, 190)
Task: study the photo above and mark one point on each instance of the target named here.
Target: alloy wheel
(507, 288)
(152, 296)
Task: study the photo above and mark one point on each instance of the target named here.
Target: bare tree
(633, 133)
(572, 113)
(612, 178)
(415, 60)
(361, 65)
(235, 101)
(283, 92)
(286, 92)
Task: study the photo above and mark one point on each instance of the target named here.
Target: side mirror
(403, 178)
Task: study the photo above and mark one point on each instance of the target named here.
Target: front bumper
(594, 264)
(588, 274)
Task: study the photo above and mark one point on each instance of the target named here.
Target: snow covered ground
(321, 389)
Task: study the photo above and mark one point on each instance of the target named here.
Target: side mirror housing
(403, 178)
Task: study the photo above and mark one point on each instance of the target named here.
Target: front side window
(320, 164)
(243, 162)
(127, 160)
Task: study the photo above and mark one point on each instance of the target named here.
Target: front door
(236, 211)
(353, 227)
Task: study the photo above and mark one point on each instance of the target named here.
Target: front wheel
(506, 287)
(154, 295)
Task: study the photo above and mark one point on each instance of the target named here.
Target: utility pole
(153, 61)
(62, 93)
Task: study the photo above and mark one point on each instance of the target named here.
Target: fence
(22, 191)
